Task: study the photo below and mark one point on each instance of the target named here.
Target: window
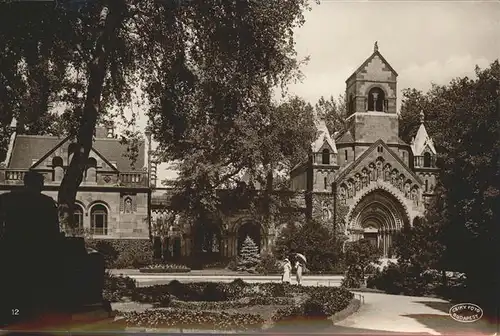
(380, 149)
(426, 185)
(325, 159)
(345, 154)
(326, 183)
(78, 217)
(99, 220)
(404, 156)
(427, 159)
(376, 100)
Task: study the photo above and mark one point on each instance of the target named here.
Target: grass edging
(351, 308)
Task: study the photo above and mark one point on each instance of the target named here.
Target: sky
(424, 41)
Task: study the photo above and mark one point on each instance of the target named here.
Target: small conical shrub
(249, 257)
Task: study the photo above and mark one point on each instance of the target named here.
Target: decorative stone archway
(377, 216)
(241, 229)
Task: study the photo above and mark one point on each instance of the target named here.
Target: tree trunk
(110, 21)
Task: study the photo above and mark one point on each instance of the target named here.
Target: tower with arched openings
(381, 182)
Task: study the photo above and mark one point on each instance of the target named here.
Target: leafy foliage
(334, 113)
(359, 255)
(269, 265)
(313, 240)
(120, 253)
(208, 70)
(466, 211)
(249, 257)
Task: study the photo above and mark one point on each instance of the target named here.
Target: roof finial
(375, 46)
(422, 116)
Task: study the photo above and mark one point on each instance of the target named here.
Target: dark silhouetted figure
(43, 272)
(30, 239)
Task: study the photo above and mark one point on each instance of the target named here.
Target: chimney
(110, 131)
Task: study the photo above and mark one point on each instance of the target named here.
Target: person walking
(287, 269)
(299, 266)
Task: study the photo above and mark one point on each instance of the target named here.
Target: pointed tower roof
(375, 53)
(323, 136)
(422, 139)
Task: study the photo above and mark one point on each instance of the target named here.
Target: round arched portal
(249, 229)
(377, 217)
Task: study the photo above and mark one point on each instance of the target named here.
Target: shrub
(359, 256)
(268, 265)
(118, 287)
(214, 292)
(179, 318)
(334, 299)
(123, 253)
(352, 278)
(401, 279)
(239, 282)
(249, 257)
(233, 264)
(321, 303)
(316, 242)
(165, 268)
(107, 250)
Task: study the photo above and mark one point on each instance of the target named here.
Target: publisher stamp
(466, 312)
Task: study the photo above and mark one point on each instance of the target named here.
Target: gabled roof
(422, 141)
(28, 148)
(368, 60)
(323, 136)
(343, 173)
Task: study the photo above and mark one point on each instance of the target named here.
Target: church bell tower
(371, 101)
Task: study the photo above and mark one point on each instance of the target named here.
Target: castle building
(381, 182)
(366, 174)
(113, 199)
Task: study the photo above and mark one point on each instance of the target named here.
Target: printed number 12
(15, 311)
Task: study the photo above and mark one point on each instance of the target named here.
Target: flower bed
(188, 319)
(232, 306)
(165, 268)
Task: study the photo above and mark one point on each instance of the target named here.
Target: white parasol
(303, 257)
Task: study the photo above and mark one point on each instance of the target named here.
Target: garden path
(408, 314)
(381, 313)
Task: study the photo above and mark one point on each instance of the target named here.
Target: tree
(468, 158)
(249, 257)
(419, 245)
(334, 112)
(313, 240)
(196, 61)
(31, 75)
(358, 256)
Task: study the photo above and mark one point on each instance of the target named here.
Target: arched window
(326, 183)
(427, 159)
(91, 170)
(426, 185)
(325, 158)
(345, 152)
(78, 217)
(376, 100)
(99, 220)
(57, 165)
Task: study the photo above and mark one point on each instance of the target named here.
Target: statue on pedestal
(43, 271)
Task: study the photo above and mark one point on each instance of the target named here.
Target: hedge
(124, 253)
